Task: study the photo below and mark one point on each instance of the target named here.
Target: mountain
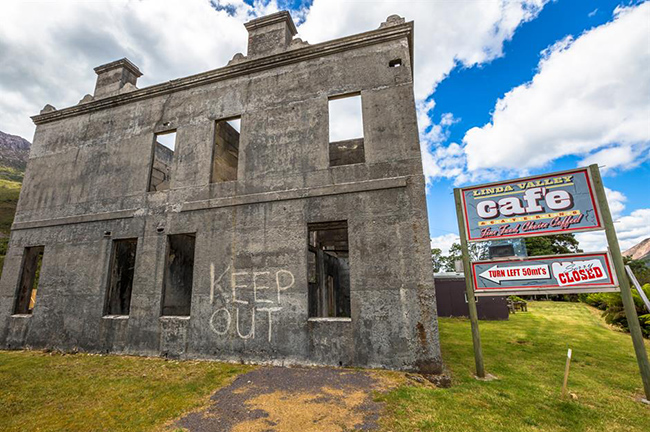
(14, 151)
(640, 251)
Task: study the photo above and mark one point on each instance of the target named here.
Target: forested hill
(640, 251)
(14, 152)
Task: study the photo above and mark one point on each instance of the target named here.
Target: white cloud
(444, 242)
(51, 48)
(630, 230)
(594, 241)
(634, 228)
(448, 161)
(345, 118)
(446, 34)
(48, 50)
(589, 98)
(616, 201)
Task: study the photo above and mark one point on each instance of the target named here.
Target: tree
(640, 270)
(552, 245)
(535, 246)
(477, 251)
(448, 261)
(436, 259)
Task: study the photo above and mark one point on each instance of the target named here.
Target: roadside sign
(561, 202)
(555, 274)
(553, 203)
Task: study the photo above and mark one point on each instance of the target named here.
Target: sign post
(562, 202)
(471, 300)
(626, 293)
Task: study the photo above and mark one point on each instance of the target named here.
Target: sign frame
(592, 195)
(605, 222)
(547, 289)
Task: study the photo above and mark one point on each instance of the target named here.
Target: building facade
(222, 215)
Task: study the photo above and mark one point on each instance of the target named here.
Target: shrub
(613, 311)
(644, 320)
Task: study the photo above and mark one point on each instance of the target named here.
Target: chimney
(112, 76)
(270, 34)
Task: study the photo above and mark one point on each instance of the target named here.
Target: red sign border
(582, 287)
(599, 225)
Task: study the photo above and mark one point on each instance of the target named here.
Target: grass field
(44, 392)
(9, 191)
(528, 354)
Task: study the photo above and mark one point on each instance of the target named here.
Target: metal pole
(626, 294)
(471, 300)
(638, 287)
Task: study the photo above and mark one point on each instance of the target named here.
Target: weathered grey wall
(88, 175)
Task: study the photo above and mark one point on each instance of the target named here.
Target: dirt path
(275, 399)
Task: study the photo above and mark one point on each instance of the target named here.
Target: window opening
(225, 155)
(346, 131)
(179, 273)
(120, 281)
(161, 165)
(29, 277)
(328, 270)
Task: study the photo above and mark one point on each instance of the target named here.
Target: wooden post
(471, 300)
(566, 373)
(626, 294)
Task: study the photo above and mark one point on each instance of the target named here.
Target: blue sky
(504, 88)
(471, 93)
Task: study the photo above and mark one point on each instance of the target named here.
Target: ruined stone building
(224, 216)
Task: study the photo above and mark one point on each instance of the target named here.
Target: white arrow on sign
(498, 274)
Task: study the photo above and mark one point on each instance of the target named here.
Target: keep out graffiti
(245, 297)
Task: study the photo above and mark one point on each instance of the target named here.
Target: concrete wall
(86, 184)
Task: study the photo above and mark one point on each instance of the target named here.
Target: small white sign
(497, 274)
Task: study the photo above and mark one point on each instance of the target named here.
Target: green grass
(54, 392)
(82, 392)
(12, 173)
(9, 192)
(528, 354)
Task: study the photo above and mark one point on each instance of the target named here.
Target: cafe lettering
(541, 205)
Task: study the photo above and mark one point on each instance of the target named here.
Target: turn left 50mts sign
(548, 204)
(548, 274)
